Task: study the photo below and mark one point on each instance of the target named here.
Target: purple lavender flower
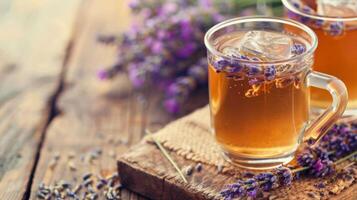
(284, 175)
(220, 64)
(134, 4)
(340, 139)
(102, 74)
(234, 190)
(186, 51)
(267, 181)
(235, 66)
(172, 105)
(136, 76)
(167, 8)
(298, 49)
(186, 30)
(205, 3)
(306, 159)
(157, 47)
(336, 28)
(252, 187)
(253, 70)
(321, 168)
(319, 23)
(270, 72)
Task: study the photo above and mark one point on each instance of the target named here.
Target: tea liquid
(337, 56)
(257, 120)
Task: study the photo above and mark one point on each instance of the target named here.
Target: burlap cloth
(191, 137)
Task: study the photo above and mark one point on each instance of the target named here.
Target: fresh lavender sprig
(261, 182)
(166, 45)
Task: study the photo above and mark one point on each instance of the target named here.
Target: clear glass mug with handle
(260, 72)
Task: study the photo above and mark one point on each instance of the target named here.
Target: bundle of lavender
(336, 153)
(165, 49)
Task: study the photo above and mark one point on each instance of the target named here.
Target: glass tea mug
(259, 102)
(336, 29)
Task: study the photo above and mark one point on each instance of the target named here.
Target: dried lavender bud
(234, 190)
(86, 176)
(298, 49)
(253, 71)
(321, 168)
(88, 182)
(65, 184)
(270, 72)
(252, 187)
(320, 185)
(198, 167)
(267, 181)
(189, 170)
(284, 175)
(336, 28)
(99, 185)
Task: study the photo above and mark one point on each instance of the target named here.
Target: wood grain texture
(33, 41)
(105, 115)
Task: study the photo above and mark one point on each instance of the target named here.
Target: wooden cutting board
(145, 170)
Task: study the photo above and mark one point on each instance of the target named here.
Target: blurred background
(163, 46)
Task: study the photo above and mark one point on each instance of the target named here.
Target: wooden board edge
(134, 178)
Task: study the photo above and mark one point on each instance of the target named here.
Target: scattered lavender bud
(88, 182)
(198, 167)
(86, 176)
(188, 170)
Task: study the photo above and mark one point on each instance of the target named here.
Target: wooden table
(50, 101)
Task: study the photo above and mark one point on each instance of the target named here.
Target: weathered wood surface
(33, 39)
(145, 170)
(108, 116)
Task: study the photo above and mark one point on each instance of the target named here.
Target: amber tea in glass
(259, 75)
(335, 23)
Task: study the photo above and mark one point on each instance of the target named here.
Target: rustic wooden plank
(105, 115)
(145, 170)
(31, 59)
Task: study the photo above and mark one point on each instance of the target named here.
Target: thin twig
(346, 158)
(163, 150)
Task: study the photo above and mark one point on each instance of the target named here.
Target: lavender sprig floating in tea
(336, 147)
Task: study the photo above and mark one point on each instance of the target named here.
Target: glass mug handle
(318, 128)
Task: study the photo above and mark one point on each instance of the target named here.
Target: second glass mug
(260, 107)
(336, 29)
